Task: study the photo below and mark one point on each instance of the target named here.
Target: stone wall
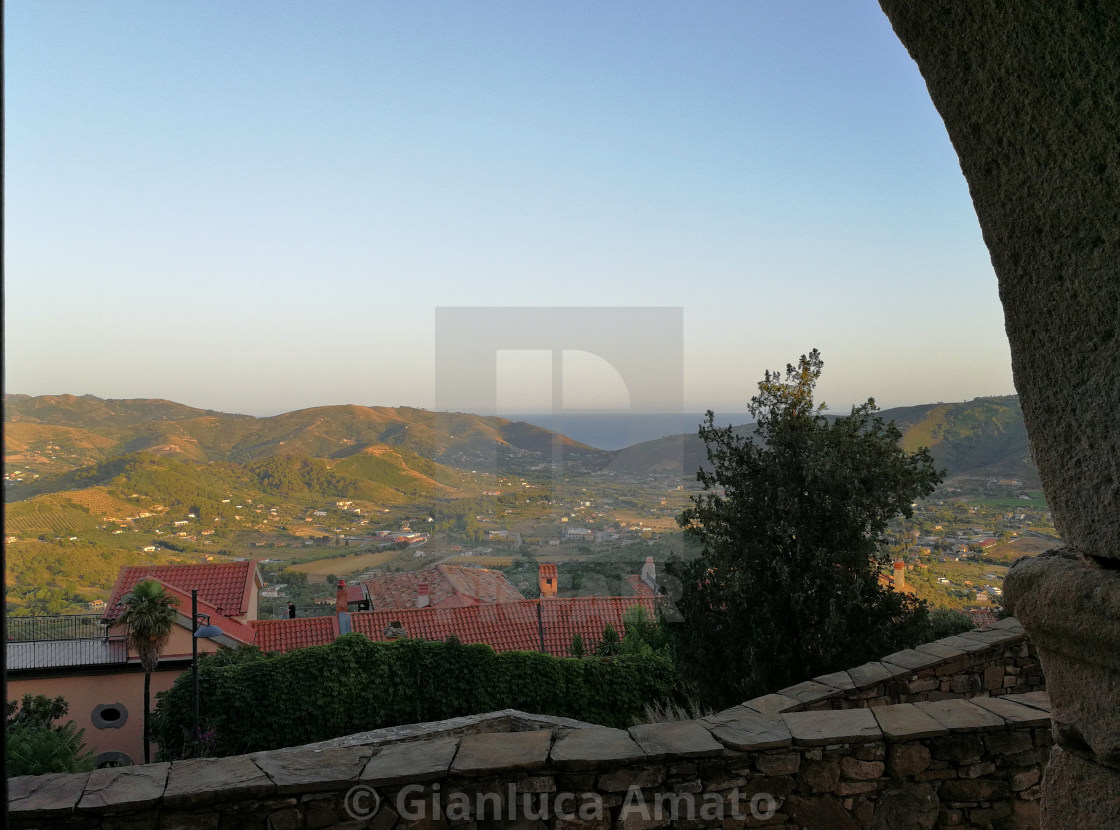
(820, 755)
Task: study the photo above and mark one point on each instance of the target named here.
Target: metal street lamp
(206, 631)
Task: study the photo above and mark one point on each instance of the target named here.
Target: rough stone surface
(904, 805)
(961, 715)
(833, 727)
(306, 771)
(905, 722)
(858, 770)
(773, 704)
(1012, 712)
(1074, 614)
(197, 781)
(1034, 126)
(809, 691)
(837, 680)
(912, 659)
(124, 787)
(684, 739)
(594, 748)
(416, 761)
(820, 813)
(752, 731)
(869, 674)
(905, 760)
(45, 795)
(484, 754)
(1078, 793)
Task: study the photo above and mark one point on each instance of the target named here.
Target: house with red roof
(439, 586)
(101, 677)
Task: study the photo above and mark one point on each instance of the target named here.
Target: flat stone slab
(1036, 700)
(750, 730)
(905, 722)
(683, 739)
(1012, 712)
(870, 674)
(992, 636)
(197, 781)
(124, 788)
(965, 644)
(809, 691)
(1009, 623)
(773, 704)
(940, 649)
(593, 748)
(837, 680)
(502, 752)
(913, 659)
(961, 715)
(833, 726)
(34, 796)
(313, 770)
(417, 761)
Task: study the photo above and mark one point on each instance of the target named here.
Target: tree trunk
(147, 706)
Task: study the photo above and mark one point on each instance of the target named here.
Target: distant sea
(615, 430)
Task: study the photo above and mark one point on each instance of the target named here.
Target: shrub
(355, 685)
(36, 746)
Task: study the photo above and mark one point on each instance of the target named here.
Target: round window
(113, 759)
(109, 715)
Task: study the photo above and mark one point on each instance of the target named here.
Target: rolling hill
(981, 437)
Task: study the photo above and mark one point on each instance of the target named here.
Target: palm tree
(148, 617)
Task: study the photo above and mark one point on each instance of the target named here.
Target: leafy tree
(791, 524)
(644, 635)
(36, 745)
(148, 617)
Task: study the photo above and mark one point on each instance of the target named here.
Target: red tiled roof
(981, 616)
(233, 629)
(639, 587)
(447, 585)
(505, 626)
(288, 634)
(225, 586)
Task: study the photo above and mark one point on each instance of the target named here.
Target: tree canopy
(790, 522)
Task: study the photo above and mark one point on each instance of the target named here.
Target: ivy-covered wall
(356, 685)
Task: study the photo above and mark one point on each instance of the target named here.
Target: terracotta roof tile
(505, 626)
(447, 585)
(223, 585)
(287, 634)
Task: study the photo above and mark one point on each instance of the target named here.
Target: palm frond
(148, 617)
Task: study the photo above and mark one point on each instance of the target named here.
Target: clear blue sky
(257, 206)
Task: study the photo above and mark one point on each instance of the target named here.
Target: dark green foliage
(354, 685)
(791, 522)
(945, 622)
(577, 648)
(611, 644)
(36, 746)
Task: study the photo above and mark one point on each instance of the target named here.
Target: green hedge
(355, 684)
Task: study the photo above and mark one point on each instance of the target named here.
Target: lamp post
(197, 632)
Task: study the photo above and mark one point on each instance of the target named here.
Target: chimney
(422, 598)
(547, 579)
(342, 608)
(649, 574)
(899, 575)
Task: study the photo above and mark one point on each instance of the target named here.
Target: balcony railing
(61, 627)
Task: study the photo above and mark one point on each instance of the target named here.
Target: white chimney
(649, 573)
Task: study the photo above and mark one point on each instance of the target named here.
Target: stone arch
(1028, 94)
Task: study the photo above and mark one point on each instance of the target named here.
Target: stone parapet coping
(945, 652)
(471, 746)
(195, 783)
